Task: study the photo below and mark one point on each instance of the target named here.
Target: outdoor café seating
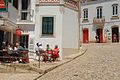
(22, 57)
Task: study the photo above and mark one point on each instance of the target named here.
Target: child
(49, 52)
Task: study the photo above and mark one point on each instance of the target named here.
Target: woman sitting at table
(55, 53)
(10, 49)
(17, 50)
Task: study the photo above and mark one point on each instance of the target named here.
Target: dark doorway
(24, 39)
(99, 32)
(115, 31)
(1, 37)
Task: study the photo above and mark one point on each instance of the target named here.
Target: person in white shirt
(39, 50)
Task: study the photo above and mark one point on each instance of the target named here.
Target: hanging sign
(3, 5)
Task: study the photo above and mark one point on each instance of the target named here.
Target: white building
(57, 24)
(100, 17)
(22, 13)
(19, 13)
(7, 26)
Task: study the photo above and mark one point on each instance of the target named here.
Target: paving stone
(100, 62)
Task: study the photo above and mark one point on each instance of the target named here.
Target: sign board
(3, 5)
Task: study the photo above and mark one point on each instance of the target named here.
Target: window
(10, 1)
(99, 12)
(25, 10)
(47, 25)
(85, 13)
(115, 9)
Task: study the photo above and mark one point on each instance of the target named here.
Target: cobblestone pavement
(100, 62)
(18, 76)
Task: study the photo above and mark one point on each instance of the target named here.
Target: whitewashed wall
(70, 29)
(57, 38)
(13, 12)
(33, 5)
(107, 12)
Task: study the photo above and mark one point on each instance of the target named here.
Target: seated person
(55, 53)
(45, 56)
(49, 52)
(10, 49)
(18, 50)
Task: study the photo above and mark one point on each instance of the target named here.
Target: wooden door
(85, 36)
(101, 35)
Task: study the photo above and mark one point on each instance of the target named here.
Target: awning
(7, 25)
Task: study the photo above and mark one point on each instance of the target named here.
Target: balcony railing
(25, 15)
(49, 1)
(99, 21)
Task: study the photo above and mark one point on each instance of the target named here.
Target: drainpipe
(79, 28)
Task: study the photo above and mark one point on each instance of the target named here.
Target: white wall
(70, 29)
(107, 12)
(12, 12)
(33, 5)
(57, 38)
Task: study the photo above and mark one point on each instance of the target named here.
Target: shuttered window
(47, 25)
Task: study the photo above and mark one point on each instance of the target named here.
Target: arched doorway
(115, 33)
(99, 32)
(85, 35)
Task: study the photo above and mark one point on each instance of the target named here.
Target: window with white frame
(25, 10)
(115, 9)
(85, 13)
(99, 12)
(47, 25)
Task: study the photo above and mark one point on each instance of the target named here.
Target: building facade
(100, 17)
(7, 26)
(24, 17)
(20, 13)
(57, 24)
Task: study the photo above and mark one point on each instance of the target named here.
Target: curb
(66, 60)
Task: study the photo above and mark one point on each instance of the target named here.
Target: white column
(19, 10)
(11, 37)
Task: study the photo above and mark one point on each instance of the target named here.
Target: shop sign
(3, 5)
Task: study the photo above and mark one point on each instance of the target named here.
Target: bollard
(39, 60)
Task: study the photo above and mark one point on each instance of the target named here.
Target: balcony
(25, 17)
(99, 21)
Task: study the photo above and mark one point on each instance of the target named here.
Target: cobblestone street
(100, 62)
